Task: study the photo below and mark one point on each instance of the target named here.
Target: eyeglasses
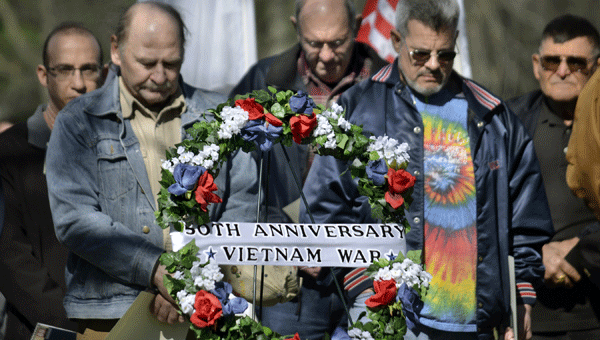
(575, 64)
(421, 57)
(334, 44)
(66, 72)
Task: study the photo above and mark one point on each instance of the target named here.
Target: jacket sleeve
(80, 223)
(26, 283)
(531, 225)
(238, 187)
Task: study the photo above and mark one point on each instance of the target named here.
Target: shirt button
(479, 124)
(480, 259)
(480, 305)
(417, 129)
(398, 91)
(146, 229)
(416, 173)
(416, 220)
(565, 150)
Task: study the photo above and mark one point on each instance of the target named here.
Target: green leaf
(341, 139)
(278, 111)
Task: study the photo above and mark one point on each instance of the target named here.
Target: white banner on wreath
(322, 245)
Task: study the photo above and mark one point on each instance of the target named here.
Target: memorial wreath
(260, 120)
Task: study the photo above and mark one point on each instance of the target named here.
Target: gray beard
(418, 89)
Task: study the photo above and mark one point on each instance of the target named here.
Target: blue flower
(230, 307)
(235, 306)
(186, 177)
(222, 291)
(262, 133)
(302, 103)
(376, 170)
(411, 305)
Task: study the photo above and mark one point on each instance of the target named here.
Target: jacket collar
(107, 99)
(480, 100)
(284, 69)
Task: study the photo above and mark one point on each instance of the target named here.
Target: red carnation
(296, 337)
(273, 120)
(385, 293)
(254, 109)
(398, 182)
(204, 195)
(208, 309)
(302, 126)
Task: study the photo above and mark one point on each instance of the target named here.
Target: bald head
(144, 11)
(326, 33)
(149, 53)
(326, 9)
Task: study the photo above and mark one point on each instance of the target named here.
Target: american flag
(379, 18)
(378, 21)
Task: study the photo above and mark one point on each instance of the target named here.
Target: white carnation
(187, 304)
(344, 124)
(186, 157)
(167, 165)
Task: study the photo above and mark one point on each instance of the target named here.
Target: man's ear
(358, 20)
(535, 61)
(114, 50)
(42, 75)
(294, 22)
(396, 40)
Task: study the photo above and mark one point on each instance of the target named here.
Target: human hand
(312, 271)
(165, 311)
(524, 326)
(163, 306)
(558, 271)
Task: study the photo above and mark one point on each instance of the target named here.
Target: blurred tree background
(502, 36)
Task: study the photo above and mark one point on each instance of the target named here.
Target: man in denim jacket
(103, 169)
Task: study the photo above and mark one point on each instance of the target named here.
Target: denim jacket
(102, 204)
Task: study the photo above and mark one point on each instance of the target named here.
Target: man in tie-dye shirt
(478, 195)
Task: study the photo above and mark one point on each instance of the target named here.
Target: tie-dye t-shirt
(450, 235)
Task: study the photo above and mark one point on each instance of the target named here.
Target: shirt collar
(359, 69)
(129, 104)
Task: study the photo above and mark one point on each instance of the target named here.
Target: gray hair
(349, 9)
(436, 14)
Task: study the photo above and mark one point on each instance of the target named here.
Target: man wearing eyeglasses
(568, 56)
(478, 195)
(324, 63)
(104, 166)
(32, 261)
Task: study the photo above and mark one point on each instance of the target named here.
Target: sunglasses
(422, 56)
(575, 64)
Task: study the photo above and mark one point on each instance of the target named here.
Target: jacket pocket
(114, 171)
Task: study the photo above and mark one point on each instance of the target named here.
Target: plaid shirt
(321, 92)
